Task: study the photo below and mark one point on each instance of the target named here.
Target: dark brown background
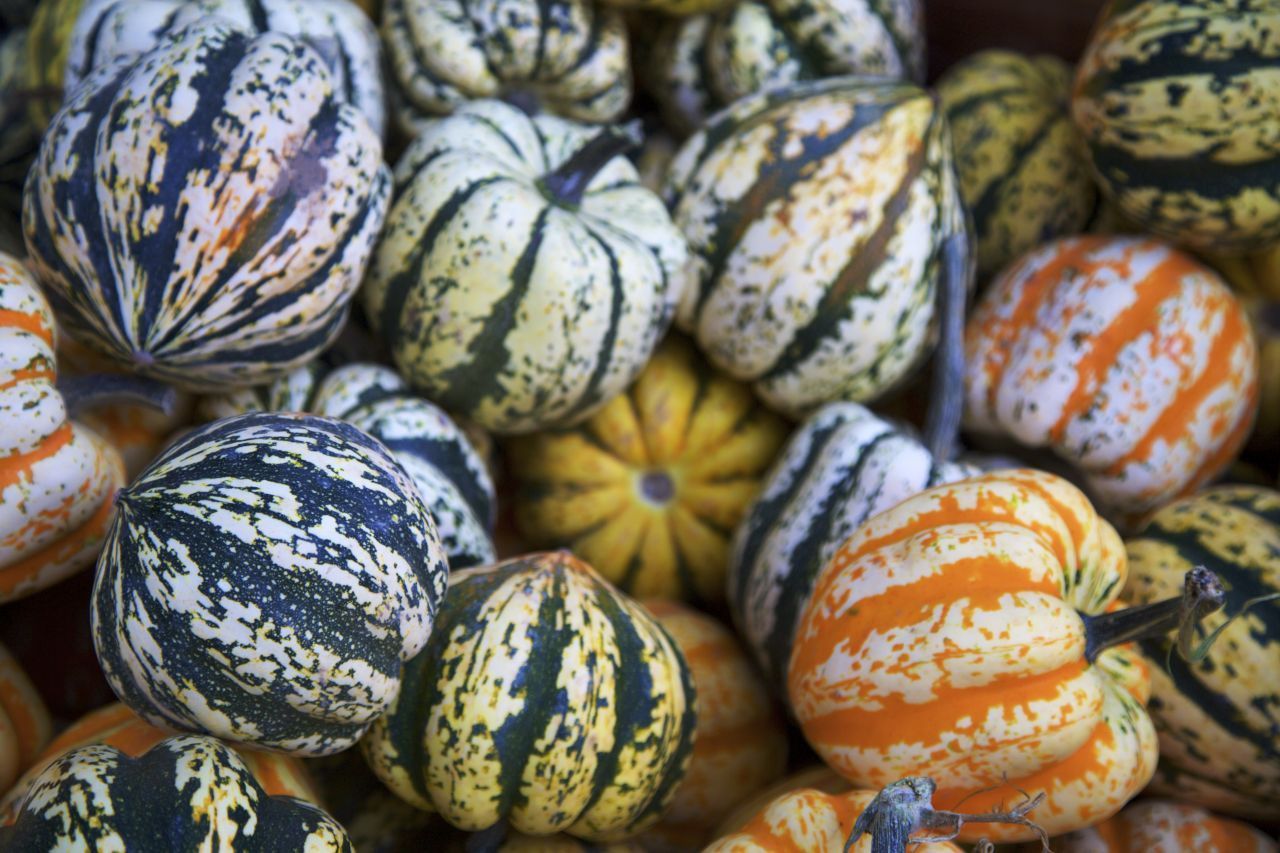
(957, 28)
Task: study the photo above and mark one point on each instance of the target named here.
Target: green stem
(1202, 594)
(946, 394)
(567, 184)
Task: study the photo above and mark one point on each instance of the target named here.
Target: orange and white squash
(1155, 826)
(25, 726)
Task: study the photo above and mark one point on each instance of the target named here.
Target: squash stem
(946, 397)
(95, 390)
(1202, 594)
(567, 184)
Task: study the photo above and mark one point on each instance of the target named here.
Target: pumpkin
(185, 793)
(842, 466)
(650, 488)
(230, 259)
(57, 478)
(1120, 354)
(1024, 171)
(703, 63)
(545, 697)
(741, 742)
(566, 57)
(525, 275)
(819, 262)
(1178, 102)
(263, 582)
(958, 634)
(1219, 720)
(25, 726)
(447, 470)
(1153, 826)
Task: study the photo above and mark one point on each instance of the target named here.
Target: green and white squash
(186, 793)
(1023, 166)
(202, 215)
(566, 57)
(842, 466)
(1179, 102)
(448, 472)
(264, 580)
(545, 697)
(817, 216)
(701, 64)
(1218, 720)
(525, 275)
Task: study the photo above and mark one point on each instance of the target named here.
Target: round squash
(649, 490)
(1178, 100)
(18, 137)
(565, 57)
(57, 478)
(1217, 720)
(25, 725)
(1123, 356)
(1153, 826)
(447, 470)
(185, 793)
(1024, 170)
(525, 275)
(842, 466)
(49, 39)
(957, 635)
(819, 262)
(1265, 316)
(264, 580)
(545, 697)
(230, 258)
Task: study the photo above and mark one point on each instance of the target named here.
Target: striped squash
(18, 137)
(525, 275)
(1024, 169)
(741, 742)
(57, 477)
(263, 582)
(25, 725)
(1178, 100)
(544, 697)
(1265, 316)
(447, 470)
(1218, 721)
(228, 260)
(817, 776)
(1121, 355)
(1154, 826)
(185, 793)
(842, 466)
(816, 215)
(649, 489)
(948, 637)
(565, 57)
(48, 41)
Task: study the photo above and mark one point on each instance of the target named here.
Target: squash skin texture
(1155, 826)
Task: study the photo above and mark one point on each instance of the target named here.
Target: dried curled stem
(1203, 594)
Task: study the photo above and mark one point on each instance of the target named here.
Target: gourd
(819, 265)
(650, 488)
(1154, 826)
(230, 259)
(447, 470)
(525, 275)
(545, 698)
(264, 581)
(18, 139)
(185, 793)
(1265, 317)
(1121, 355)
(1176, 99)
(25, 725)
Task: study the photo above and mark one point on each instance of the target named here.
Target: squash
(1153, 826)
(185, 793)
(1177, 100)
(566, 57)
(25, 725)
(958, 634)
(1265, 316)
(741, 742)
(1023, 167)
(698, 65)
(57, 478)
(819, 777)
(1217, 720)
(525, 275)
(1120, 354)
(545, 697)
(841, 467)
(649, 490)
(263, 582)
(49, 38)
(230, 260)
(820, 262)
(447, 470)
(18, 138)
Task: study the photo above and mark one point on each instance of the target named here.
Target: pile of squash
(636, 425)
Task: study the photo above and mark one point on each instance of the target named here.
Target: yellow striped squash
(1156, 826)
(48, 43)
(25, 725)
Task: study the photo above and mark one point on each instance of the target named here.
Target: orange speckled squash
(820, 777)
(1154, 826)
(946, 638)
(57, 478)
(740, 743)
(1126, 357)
(25, 726)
